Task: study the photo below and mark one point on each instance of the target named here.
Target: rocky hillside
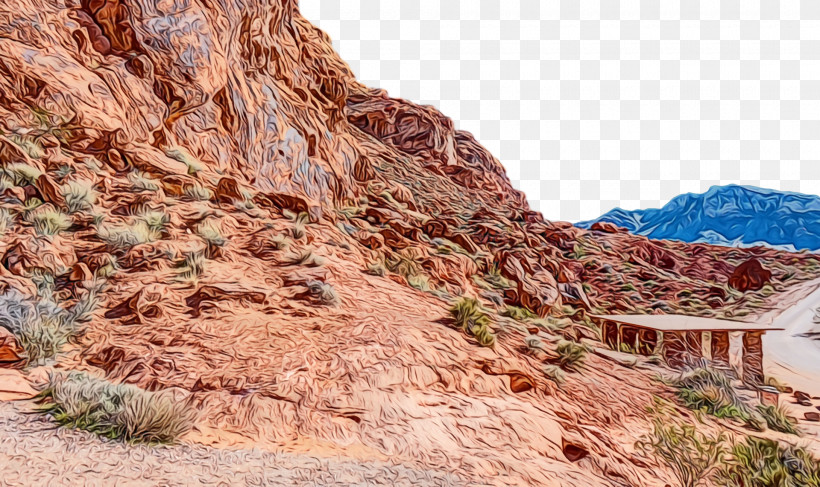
(729, 215)
(199, 200)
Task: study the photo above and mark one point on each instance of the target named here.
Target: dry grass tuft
(116, 411)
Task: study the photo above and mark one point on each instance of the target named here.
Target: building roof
(685, 323)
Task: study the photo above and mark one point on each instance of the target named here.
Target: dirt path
(34, 451)
(789, 355)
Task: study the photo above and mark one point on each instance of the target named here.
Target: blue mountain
(730, 215)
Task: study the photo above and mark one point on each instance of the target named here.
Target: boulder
(750, 276)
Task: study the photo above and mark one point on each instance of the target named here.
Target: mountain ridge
(732, 215)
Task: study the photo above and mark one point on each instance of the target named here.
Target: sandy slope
(71, 457)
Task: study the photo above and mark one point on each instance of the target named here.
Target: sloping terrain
(729, 215)
(281, 246)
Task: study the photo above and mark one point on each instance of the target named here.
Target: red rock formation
(750, 276)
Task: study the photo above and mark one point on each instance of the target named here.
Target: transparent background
(596, 104)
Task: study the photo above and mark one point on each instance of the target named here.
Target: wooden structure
(680, 339)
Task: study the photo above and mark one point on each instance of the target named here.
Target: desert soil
(72, 457)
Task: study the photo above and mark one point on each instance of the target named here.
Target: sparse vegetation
(22, 174)
(759, 462)
(710, 391)
(571, 355)
(376, 269)
(299, 225)
(126, 236)
(198, 192)
(6, 221)
(469, 316)
(692, 456)
(117, 411)
(182, 155)
(323, 292)
(193, 264)
(49, 221)
(41, 326)
(156, 220)
(555, 374)
(211, 234)
(141, 181)
(79, 196)
(518, 314)
(777, 419)
(306, 258)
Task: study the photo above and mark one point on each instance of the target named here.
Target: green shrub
(116, 411)
(469, 317)
(182, 155)
(79, 196)
(778, 419)
(710, 391)
(571, 355)
(692, 456)
(50, 221)
(518, 314)
(761, 462)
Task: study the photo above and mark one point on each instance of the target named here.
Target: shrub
(571, 355)
(306, 258)
(761, 462)
(126, 236)
(778, 419)
(555, 374)
(22, 174)
(6, 221)
(469, 317)
(692, 456)
(518, 314)
(79, 196)
(376, 269)
(193, 264)
(710, 391)
(299, 225)
(116, 411)
(182, 155)
(155, 219)
(211, 234)
(198, 192)
(41, 326)
(323, 292)
(141, 181)
(50, 221)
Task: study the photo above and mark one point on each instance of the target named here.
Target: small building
(680, 340)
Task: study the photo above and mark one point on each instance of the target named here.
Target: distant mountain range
(732, 215)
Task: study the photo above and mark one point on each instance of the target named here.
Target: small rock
(572, 451)
(11, 353)
(802, 398)
(812, 416)
(520, 383)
